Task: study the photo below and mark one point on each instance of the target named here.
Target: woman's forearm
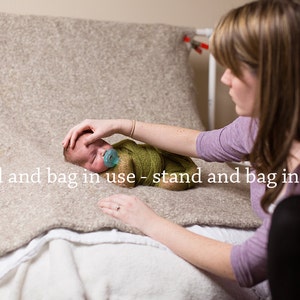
(205, 253)
(170, 138)
(166, 137)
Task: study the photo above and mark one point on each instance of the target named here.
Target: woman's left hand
(130, 210)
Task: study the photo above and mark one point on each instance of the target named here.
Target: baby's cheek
(101, 166)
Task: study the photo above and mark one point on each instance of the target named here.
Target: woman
(259, 46)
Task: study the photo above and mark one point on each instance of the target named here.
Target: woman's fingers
(73, 134)
(128, 209)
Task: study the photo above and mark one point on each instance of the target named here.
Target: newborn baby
(129, 164)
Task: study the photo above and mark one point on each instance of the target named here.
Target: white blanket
(111, 265)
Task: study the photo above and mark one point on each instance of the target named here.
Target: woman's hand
(130, 210)
(100, 129)
(203, 252)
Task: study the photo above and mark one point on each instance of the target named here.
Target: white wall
(177, 12)
(191, 13)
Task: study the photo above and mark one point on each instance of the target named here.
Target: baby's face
(91, 157)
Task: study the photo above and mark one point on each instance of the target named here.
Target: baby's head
(90, 157)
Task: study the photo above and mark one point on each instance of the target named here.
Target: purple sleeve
(249, 260)
(230, 143)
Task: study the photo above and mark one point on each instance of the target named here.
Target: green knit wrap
(145, 164)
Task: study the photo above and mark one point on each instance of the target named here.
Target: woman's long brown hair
(265, 35)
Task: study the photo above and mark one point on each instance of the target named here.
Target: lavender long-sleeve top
(232, 143)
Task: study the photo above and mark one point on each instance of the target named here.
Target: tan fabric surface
(56, 72)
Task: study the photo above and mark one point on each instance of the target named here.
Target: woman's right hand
(166, 137)
(100, 129)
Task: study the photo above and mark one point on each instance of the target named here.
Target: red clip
(196, 44)
(198, 50)
(186, 39)
(204, 46)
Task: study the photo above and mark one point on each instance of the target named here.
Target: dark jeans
(284, 250)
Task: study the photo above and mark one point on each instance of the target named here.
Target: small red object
(186, 39)
(204, 45)
(198, 50)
